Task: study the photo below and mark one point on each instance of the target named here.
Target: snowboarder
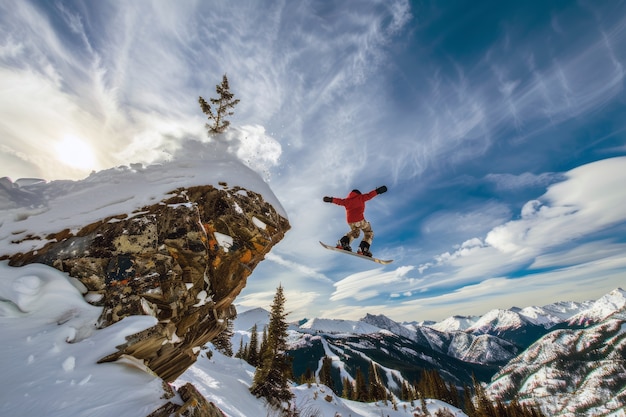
(354, 204)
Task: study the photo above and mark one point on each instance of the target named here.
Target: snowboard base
(369, 258)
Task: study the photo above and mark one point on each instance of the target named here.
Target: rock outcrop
(182, 260)
(195, 405)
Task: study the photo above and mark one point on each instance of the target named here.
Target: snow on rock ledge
(144, 241)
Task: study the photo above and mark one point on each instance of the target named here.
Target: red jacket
(355, 205)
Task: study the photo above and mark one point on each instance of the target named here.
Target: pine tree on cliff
(224, 103)
(271, 379)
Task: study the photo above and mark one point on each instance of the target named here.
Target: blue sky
(498, 127)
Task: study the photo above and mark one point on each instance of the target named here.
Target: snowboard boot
(364, 249)
(344, 243)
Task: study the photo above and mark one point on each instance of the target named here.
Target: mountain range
(566, 357)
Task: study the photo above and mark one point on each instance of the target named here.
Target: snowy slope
(225, 381)
(50, 347)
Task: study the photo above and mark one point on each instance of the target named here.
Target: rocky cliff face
(182, 260)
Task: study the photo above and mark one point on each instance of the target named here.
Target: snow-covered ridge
(334, 326)
(494, 320)
(51, 207)
(246, 320)
(607, 305)
(455, 323)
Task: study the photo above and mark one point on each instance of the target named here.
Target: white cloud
(369, 284)
(471, 221)
(590, 200)
(300, 269)
(254, 147)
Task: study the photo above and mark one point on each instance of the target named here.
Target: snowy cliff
(143, 265)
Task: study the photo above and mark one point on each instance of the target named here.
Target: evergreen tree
(407, 393)
(271, 379)
(377, 390)
(307, 377)
(453, 395)
(224, 103)
(325, 373)
(263, 341)
(253, 350)
(348, 390)
(223, 342)
(484, 405)
(468, 404)
(241, 353)
(432, 385)
(360, 389)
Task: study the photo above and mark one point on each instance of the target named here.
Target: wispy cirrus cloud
(368, 284)
(512, 182)
(513, 94)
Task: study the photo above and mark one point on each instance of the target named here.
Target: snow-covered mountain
(505, 343)
(246, 320)
(480, 349)
(501, 320)
(455, 323)
(553, 314)
(337, 326)
(609, 304)
(571, 372)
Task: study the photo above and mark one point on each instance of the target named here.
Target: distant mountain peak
(604, 307)
(336, 326)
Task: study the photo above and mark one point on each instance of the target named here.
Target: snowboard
(379, 261)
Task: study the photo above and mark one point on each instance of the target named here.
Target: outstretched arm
(375, 192)
(336, 200)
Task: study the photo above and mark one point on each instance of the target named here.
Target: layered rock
(182, 260)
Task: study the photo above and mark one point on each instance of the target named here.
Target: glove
(328, 199)
(381, 190)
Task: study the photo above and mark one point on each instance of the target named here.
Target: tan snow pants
(356, 228)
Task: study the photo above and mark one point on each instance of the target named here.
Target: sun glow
(75, 152)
